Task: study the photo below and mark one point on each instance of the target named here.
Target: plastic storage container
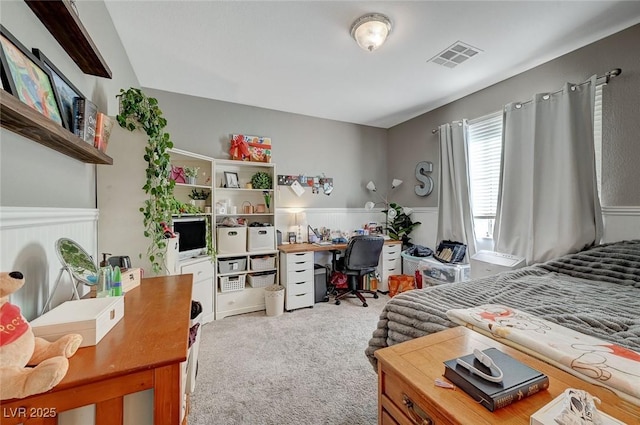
(320, 283)
(435, 273)
(230, 265)
(261, 238)
(231, 283)
(231, 240)
(260, 280)
(263, 263)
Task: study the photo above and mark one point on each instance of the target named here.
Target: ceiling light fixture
(370, 31)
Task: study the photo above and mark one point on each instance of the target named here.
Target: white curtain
(548, 203)
(455, 220)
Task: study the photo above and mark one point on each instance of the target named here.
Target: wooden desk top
(305, 247)
(417, 363)
(154, 332)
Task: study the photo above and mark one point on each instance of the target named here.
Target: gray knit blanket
(595, 292)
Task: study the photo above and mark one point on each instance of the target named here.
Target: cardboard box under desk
(130, 279)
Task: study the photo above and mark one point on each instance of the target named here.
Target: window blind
(597, 135)
(485, 150)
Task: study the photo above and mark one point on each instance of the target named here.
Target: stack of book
(518, 381)
(90, 125)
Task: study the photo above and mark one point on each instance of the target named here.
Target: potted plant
(198, 198)
(138, 111)
(399, 224)
(191, 173)
(261, 180)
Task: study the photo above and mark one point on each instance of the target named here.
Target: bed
(595, 292)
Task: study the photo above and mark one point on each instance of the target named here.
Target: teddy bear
(20, 349)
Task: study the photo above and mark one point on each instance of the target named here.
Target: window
(485, 151)
(597, 135)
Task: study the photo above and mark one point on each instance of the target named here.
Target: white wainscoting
(27, 244)
(621, 223)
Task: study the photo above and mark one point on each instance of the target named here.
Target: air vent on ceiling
(455, 54)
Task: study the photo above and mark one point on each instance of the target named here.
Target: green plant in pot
(191, 173)
(261, 180)
(138, 111)
(399, 223)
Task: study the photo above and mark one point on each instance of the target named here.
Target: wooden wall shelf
(62, 22)
(26, 121)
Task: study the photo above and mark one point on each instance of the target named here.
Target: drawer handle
(417, 415)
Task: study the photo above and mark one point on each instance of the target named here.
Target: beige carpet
(304, 367)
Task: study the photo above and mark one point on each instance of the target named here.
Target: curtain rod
(605, 80)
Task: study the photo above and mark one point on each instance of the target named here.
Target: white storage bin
(435, 272)
(263, 263)
(262, 280)
(261, 239)
(230, 265)
(231, 240)
(231, 283)
(92, 318)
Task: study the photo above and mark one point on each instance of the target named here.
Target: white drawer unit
(390, 264)
(203, 285)
(296, 271)
(239, 302)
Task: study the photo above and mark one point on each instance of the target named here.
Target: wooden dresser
(142, 351)
(407, 394)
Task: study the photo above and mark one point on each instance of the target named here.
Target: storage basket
(230, 265)
(410, 263)
(263, 263)
(231, 283)
(261, 280)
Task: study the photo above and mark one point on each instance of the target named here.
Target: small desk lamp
(391, 212)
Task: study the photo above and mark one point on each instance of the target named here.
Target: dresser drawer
(391, 251)
(298, 276)
(301, 287)
(294, 301)
(406, 405)
(200, 271)
(298, 258)
(391, 264)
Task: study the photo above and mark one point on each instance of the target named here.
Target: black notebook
(519, 380)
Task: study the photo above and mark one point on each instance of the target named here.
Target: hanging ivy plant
(137, 111)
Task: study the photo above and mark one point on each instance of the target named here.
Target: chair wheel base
(375, 296)
(365, 305)
(338, 302)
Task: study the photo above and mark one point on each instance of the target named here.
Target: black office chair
(361, 257)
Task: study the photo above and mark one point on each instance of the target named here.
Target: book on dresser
(84, 119)
(518, 380)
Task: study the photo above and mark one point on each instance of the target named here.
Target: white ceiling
(298, 56)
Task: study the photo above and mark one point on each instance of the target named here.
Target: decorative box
(231, 240)
(92, 318)
(250, 148)
(130, 279)
(261, 239)
(546, 414)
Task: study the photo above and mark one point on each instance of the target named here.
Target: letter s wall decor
(426, 182)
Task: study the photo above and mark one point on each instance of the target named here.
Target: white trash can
(274, 300)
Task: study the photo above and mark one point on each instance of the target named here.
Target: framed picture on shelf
(231, 179)
(65, 91)
(292, 237)
(25, 78)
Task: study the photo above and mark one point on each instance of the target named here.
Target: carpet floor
(303, 367)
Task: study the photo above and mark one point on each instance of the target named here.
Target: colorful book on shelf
(85, 113)
(104, 125)
(519, 380)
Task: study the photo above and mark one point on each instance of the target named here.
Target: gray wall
(351, 154)
(32, 175)
(621, 123)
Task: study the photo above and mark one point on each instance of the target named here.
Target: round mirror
(77, 261)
